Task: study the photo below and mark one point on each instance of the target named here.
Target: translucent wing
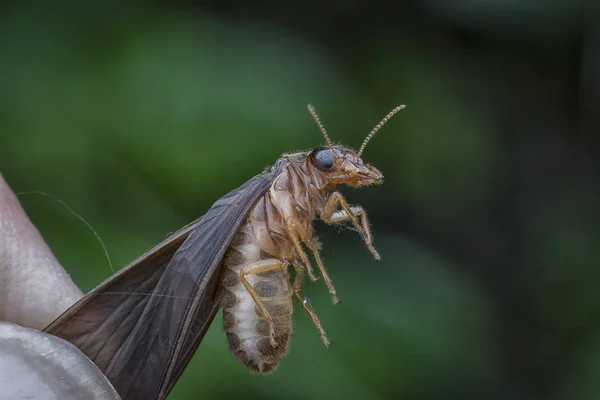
(143, 340)
(99, 323)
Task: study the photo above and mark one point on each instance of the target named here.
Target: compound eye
(322, 158)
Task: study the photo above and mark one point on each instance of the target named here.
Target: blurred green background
(140, 116)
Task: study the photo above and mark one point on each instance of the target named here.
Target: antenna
(312, 112)
(378, 127)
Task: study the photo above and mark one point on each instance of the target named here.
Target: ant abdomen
(257, 343)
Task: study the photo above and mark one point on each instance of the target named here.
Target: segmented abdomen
(246, 328)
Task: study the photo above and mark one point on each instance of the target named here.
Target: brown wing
(99, 322)
(143, 340)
